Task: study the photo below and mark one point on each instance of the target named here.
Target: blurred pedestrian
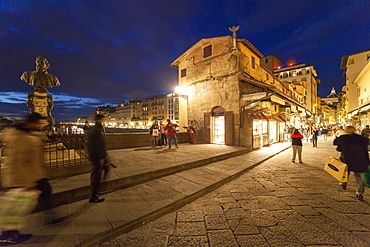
(324, 133)
(297, 145)
(171, 133)
(154, 131)
(353, 148)
(315, 135)
(24, 166)
(98, 156)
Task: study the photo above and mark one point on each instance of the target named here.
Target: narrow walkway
(277, 203)
(85, 224)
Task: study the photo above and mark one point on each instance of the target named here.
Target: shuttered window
(207, 51)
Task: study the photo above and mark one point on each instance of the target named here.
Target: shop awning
(256, 115)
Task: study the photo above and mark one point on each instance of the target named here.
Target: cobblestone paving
(278, 203)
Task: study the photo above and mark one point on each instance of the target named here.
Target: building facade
(231, 97)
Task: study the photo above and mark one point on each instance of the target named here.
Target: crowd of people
(165, 134)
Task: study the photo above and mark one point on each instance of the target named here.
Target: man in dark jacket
(353, 148)
(96, 148)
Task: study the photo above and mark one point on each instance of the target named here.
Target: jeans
(360, 182)
(170, 138)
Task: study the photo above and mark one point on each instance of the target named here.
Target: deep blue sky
(107, 52)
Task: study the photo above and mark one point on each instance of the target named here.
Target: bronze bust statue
(40, 78)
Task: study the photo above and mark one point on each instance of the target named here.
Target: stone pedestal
(42, 103)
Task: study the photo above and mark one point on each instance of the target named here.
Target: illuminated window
(207, 51)
(183, 72)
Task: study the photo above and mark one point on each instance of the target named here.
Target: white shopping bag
(15, 204)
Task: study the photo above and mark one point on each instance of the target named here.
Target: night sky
(107, 52)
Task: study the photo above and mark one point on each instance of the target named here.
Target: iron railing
(65, 150)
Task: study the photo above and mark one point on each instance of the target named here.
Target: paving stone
(308, 190)
(156, 241)
(211, 210)
(190, 216)
(222, 238)
(190, 229)
(236, 188)
(251, 204)
(364, 236)
(305, 210)
(252, 241)
(228, 199)
(338, 233)
(215, 222)
(201, 241)
(263, 218)
(235, 213)
(314, 203)
(244, 229)
(226, 206)
(363, 219)
(272, 202)
(337, 206)
(279, 236)
(292, 201)
(259, 191)
(165, 224)
(242, 196)
(302, 229)
(342, 219)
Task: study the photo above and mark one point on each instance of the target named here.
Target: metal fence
(65, 150)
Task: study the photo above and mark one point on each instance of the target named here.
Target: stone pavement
(203, 169)
(277, 203)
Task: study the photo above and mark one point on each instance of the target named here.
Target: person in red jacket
(171, 133)
(297, 145)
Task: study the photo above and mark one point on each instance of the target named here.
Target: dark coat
(353, 148)
(96, 146)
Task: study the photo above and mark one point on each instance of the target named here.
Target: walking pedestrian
(353, 148)
(315, 134)
(98, 156)
(324, 133)
(366, 133)
(154, 131)
(171, 133)
(297, 145)
(24, 167)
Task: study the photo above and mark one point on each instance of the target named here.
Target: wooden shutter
(207, 127)
(229, 128)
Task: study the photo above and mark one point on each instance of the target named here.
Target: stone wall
(133, 140)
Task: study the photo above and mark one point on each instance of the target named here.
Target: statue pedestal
(41, 103)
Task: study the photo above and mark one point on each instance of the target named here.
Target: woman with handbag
(154, 131)
(353, 148)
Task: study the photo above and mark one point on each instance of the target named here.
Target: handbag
(336, 168)
(155, 132)
(15, 204)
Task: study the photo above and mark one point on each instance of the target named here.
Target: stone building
(357, 89)
(129, 114)
(230, 96)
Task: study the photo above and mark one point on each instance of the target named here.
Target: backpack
(170, 128)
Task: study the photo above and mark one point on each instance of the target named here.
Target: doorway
(218, 129)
